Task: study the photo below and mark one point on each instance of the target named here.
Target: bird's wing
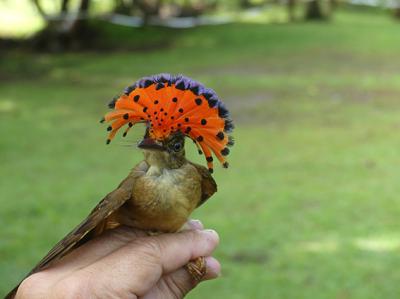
(104, 208)
(208, 184)
(94, 223)
(109, 204)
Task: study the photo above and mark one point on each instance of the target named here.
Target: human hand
(126, 263)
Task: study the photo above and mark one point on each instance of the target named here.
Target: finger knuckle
(72, 287)
(193, 236)
(151, 247)
(179, 288)
(31, 285)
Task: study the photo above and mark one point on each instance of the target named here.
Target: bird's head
(167, 153)
(173, 107)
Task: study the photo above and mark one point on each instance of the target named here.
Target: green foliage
(309, 207)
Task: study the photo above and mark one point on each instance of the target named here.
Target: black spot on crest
(111, 105)
(136, 98)
(208, 95)
(222, 111)
(200, 138)
(180, 85)
(212, 103)
(220, 135)
(147, 83)
(126, 115)
(228, 126)
(209, 159)
(195, 89)
(198, 101)
(231, 141)
(225, 151)
(203, 122)
(159, 86)
(129, 89)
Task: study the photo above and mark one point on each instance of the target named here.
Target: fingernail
(212, 233)
(213, 268)
(196, 224)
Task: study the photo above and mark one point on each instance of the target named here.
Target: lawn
(309, 207)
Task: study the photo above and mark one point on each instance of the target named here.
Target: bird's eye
(177, 146)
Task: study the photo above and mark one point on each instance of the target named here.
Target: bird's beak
(151, 144)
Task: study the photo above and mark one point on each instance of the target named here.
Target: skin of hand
(126, 263)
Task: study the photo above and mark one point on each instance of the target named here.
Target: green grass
(309, 207)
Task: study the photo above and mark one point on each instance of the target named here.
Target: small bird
(160, 192)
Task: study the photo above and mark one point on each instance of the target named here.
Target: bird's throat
(160, 160)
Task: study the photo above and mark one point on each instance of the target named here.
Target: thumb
(178, 283)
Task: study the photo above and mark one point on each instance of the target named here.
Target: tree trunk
(80, 25)
(62, 33)
(291, 4)
(40, 9)
(245, 4)
(397, 13)
(313, 11)
(332, 5)
(64, 6)
(147, 9)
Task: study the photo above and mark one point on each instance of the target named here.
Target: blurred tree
(291, 5)
(333, 4)
(245, 4)
(148, 8)
(165, 8)
(122, 7)
(314, 11)
(397, 9)
(190, 8)
(65, 29)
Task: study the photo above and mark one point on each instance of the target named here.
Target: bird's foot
(197, 268)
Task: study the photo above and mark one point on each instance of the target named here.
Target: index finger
(137, 266)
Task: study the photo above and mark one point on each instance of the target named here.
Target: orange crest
(175, 103)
